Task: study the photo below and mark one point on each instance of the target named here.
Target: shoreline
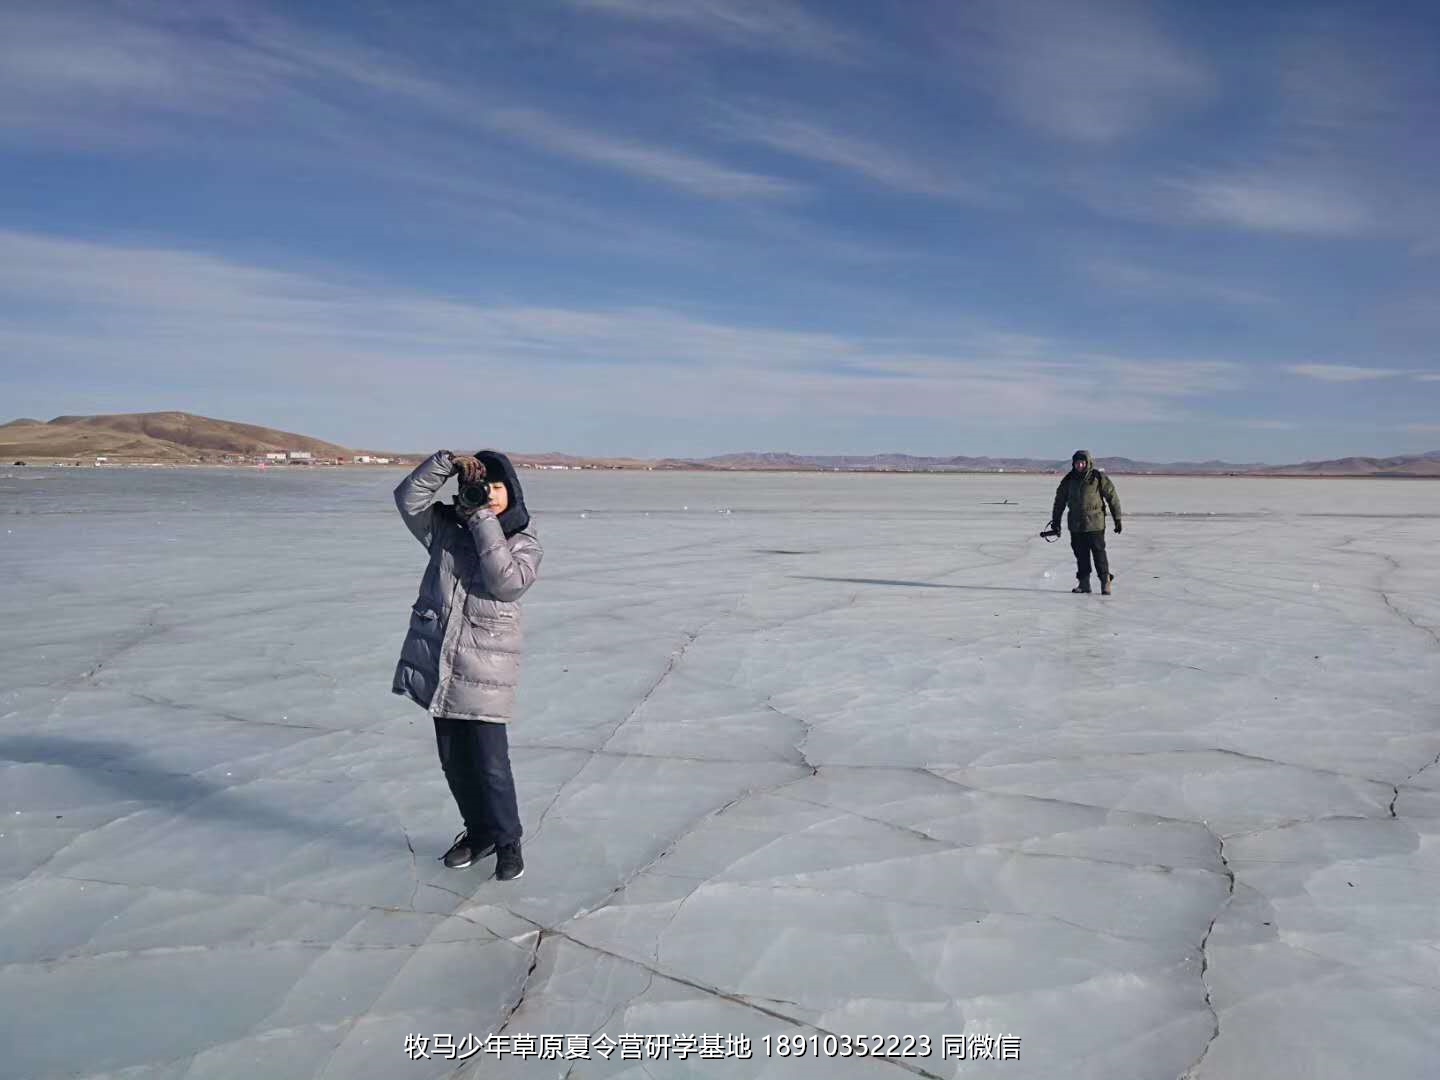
(70, 463)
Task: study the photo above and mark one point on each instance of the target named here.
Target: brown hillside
(165, 436)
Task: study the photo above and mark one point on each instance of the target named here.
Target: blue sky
(687, 227)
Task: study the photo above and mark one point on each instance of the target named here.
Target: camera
(474, 487)
(474, 496)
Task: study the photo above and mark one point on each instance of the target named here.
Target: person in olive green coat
(1086, 491)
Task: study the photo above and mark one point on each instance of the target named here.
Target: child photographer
(461, 657)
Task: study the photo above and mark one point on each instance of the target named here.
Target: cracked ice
(795, 769)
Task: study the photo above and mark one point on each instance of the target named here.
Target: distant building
(298, 455)
(381, 460)
(274, 457)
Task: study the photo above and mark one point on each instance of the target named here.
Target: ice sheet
(798, 755)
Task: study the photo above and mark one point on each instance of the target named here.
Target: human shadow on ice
(916, 584)
(123, 770)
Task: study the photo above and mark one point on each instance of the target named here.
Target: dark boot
(1105, 589)
(463, 852)
(508, 863)
(1084, 585)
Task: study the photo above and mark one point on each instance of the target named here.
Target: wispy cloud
(670, 167)
(1275, 202)
(1133, 278)
(1169, 378)
(95, 75)
(769, 25)
(877, 162)
(1091, 72)
(186, 314)
(108, 79)
(1343, 373)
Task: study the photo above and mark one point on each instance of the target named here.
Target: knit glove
(469, 467)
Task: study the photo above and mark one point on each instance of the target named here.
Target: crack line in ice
(215, 714)
(675, 657)
(451, 892)
(772, 886)
(985, 846)
(1405, 782)
(1204, 823)
(509, 1014)
(1055, 801)
(624, 754)
(148, 630)
(590, 754)
(338, 945)
(187, 1061)
(669, 848)
(1361, 969)
(414, 868)
(1429, 630)
(805, 727)
(275, 897)
(1225, 751)
(840, 811)
(734, 999)
(1190, 1073)
(1294, 823)
(649, 982)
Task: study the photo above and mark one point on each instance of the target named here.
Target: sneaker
(462, 853)
(508, 863)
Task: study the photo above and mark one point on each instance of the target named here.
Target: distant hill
(180, 437)
(1410, 465)
(171, 437)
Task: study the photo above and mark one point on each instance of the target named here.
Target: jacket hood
(516, 517)
(1086, 456)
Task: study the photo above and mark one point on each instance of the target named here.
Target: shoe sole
(517, 877)
(459, 866)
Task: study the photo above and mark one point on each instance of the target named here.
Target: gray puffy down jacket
(461, 656)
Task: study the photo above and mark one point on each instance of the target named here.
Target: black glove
(1118, 527)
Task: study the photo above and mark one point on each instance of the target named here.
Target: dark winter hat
(1081, 455)
(516, 517)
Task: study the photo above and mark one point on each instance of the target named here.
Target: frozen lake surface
(798, 755)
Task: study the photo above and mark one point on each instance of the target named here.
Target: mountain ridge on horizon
(178, 437)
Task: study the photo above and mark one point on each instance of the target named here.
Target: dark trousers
(475, 755)
(1087, 546)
